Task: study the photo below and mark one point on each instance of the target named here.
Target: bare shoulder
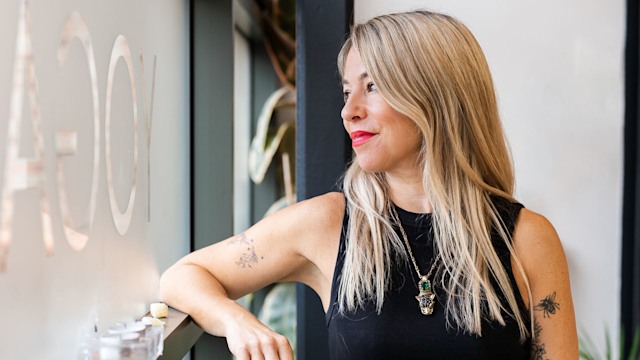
(330, 205)
(534, 233)
(323, 221)
(539, 249)
(315, 224)
(318, 212)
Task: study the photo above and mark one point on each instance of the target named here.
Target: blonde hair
(430, 68)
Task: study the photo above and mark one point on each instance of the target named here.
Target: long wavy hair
(430, 68)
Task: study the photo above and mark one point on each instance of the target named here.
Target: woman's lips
(360, 137)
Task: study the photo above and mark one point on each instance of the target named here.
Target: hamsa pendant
(426, 298)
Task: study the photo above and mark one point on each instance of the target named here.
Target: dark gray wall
(212, 136)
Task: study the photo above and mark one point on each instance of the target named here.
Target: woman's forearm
(193, 290)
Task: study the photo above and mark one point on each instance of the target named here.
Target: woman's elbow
(167, 286)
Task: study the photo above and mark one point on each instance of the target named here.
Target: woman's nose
(353, 108)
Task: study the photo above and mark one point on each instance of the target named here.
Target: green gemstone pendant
(426, 298)
(425, 285)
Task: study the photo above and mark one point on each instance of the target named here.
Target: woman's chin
(370, 167)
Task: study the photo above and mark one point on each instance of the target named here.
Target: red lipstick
(360, 137)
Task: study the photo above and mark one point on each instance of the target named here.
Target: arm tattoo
(538, 351)
(548, 305)
(248, 256)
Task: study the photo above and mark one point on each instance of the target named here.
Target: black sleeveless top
(400, 331)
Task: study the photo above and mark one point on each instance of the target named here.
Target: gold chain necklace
(426, 298)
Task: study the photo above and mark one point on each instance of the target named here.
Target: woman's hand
(248, 338)
(211, 308)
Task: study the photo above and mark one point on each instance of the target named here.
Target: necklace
(426, 297)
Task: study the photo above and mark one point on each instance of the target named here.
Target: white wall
(558, 70)
(49, 303)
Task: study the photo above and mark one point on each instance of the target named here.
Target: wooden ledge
(180, 334)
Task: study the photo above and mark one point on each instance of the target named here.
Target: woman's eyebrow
(362, 76)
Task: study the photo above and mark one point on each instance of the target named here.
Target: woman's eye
(371, 87)
(345, 95)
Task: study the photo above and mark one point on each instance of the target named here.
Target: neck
(407, 191)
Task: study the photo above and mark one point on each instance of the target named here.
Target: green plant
(589, 351)
(279, 311)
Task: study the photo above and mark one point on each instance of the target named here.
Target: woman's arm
(299, 243)
(539, 249)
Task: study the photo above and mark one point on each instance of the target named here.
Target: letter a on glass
(23, 173)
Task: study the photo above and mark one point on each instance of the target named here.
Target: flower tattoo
(248, 256)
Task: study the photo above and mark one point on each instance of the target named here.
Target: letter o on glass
(121, 50)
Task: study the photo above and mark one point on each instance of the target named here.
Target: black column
(630, 296)
(322, 145)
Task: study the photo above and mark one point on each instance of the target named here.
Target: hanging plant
(278, 24)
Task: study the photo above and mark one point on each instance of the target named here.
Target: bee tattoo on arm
(548, 305)
(248, 256)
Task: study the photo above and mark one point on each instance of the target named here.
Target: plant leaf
(262, 151)
(586, 355)
(279, 311)
(588, 349)
(607, 343)
(621, 342)
(635, 346)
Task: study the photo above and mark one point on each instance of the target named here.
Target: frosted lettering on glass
(23, 173)
(20, 173)
(77, 236)
(121, 219)
(148, 117)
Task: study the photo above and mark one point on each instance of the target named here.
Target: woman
(425, 253)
